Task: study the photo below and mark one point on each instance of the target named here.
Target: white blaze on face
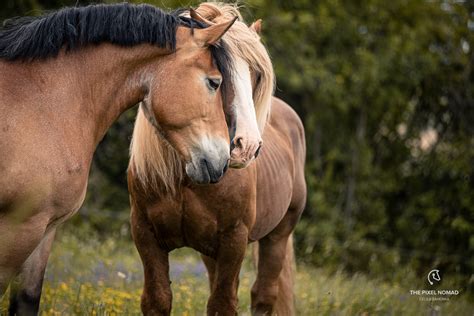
(247, 137)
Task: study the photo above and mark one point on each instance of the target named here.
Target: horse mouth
(206, 172)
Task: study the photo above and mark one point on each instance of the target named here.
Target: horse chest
(184, 223)
(193, 221)
(55, 188)
(200, 227)
(209, 212)
(69, 199)
(44, 164)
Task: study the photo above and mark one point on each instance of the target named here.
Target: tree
(386, 93)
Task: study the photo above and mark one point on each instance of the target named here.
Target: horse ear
(257, 26)
(196, 16)
(213, 33)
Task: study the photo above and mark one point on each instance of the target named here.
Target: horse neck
(81, 92)
(110, 80)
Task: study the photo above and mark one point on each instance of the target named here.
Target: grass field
(87, 275)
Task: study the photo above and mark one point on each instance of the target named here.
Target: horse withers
(261, 202)
(65, 78)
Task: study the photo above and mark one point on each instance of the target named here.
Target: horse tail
(285, 303)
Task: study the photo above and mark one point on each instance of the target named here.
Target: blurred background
(386, 93)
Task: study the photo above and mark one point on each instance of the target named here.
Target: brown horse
(262, 202)
(66, 77)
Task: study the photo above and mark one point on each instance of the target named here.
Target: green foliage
(372, 82)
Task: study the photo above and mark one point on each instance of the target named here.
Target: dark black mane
(29, 38)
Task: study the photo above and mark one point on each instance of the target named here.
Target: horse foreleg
(271, 258)
(210, 264)
(25, 289)
(156, 296)
(232, 245)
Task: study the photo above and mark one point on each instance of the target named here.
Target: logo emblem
(433, 276)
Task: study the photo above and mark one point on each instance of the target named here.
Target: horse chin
(239, 163)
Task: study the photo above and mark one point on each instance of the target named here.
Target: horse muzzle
(209, 163)
(244, 151)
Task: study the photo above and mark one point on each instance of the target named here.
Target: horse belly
(275, 179)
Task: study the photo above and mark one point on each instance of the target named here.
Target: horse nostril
(258, 151)
(238, 141)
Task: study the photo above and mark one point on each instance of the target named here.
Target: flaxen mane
(246, 44)
(153, 161)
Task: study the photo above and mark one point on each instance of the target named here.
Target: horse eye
(213, 83)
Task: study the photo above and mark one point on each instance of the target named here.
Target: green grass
(87, 275)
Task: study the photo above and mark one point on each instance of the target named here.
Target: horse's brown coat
(55, 111)
(262, 202)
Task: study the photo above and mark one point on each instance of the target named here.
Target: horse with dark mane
(65, 78)
(261, 202)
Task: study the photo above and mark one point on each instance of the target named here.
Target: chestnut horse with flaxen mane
(261, 202)
(65, 78)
